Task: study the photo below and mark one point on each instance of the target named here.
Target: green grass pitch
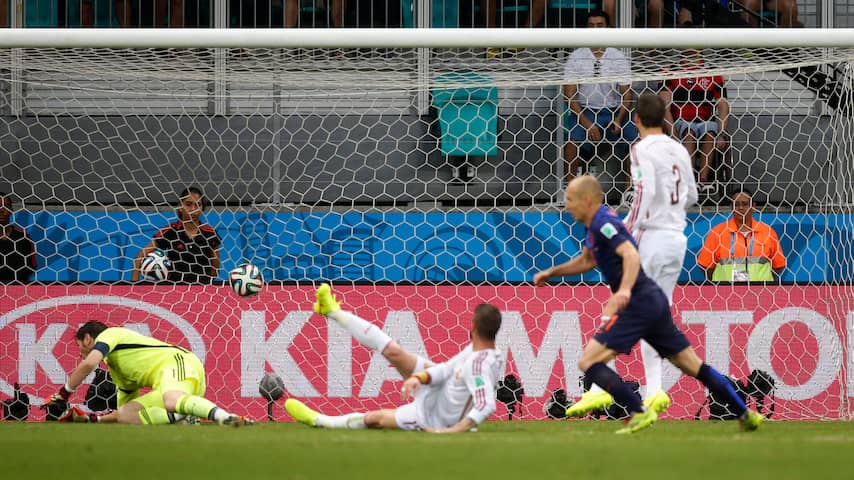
(571, 450)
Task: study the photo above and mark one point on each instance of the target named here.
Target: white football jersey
(664, 185)
(462, 386)
(582, 63)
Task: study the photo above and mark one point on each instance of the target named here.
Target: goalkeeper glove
(58, 398)
(77, 414)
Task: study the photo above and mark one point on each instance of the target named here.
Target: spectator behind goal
(742, 249)
(699, 112)
(192, 246)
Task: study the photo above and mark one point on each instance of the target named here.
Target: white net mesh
(352, 166)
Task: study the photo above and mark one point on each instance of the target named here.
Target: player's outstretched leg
(688, 361)
(301, 413)
(722, 388)
(204, 408)
(365, 332)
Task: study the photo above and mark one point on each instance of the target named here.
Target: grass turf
(539, 450)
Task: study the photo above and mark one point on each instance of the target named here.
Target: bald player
(637, 309)
(664, 186)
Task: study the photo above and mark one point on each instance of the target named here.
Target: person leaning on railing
(742, 249)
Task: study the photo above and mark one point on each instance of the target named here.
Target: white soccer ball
(155, 266)
(246, 280)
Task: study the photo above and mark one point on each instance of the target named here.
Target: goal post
(418, 171)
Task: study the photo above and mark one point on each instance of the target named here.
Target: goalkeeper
(175, 375)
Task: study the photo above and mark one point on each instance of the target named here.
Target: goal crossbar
(425, 37)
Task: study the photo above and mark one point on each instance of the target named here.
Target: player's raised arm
(578, 265)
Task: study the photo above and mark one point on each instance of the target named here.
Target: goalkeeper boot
(588, 402)
(751, 420)
(301, 412)
(639, 421)
(237, 421)
(659, 402)
(326, 302)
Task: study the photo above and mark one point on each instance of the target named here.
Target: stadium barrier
(472, 246)
(799, 334)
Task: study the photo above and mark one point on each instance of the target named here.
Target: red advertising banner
(796, 333)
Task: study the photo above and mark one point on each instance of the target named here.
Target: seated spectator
(597, 111)
(192, 246)
(698, 113)
(17, 252)
(742, 248)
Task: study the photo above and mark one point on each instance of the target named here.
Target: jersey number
(674, 194)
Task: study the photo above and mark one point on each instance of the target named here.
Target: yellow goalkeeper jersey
(134, 359)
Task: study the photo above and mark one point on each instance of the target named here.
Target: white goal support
(420, 172)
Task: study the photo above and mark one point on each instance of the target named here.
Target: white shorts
(410, 416)
(662, 253)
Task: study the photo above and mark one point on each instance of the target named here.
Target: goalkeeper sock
(651, 369)
(200, 407)
(352, 421)
(613, 384)
(154, 416)
(365, 332)
(721, 388)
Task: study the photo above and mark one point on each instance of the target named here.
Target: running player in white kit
(664, 185)
(454, 396)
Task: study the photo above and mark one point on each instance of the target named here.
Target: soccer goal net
(421, 173)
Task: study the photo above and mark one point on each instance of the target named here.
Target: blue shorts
(699, 128)
(647, 317)
(602, 118)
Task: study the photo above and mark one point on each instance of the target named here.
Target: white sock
(365, 332)
(352, 421)
(596, 388)
(651, 368)
(220, 415)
